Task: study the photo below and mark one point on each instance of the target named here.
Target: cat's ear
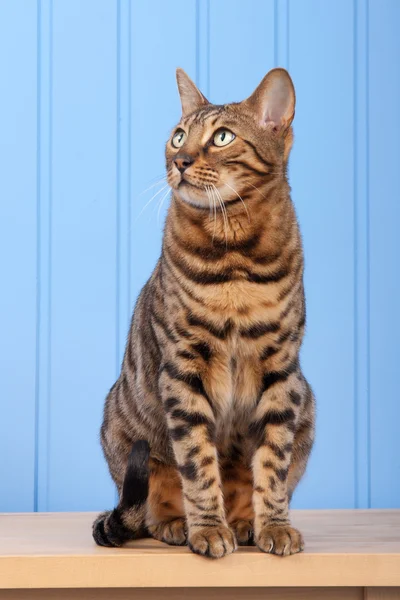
(273, 101)
(191, 97)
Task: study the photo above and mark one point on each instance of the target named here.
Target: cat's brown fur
(211, 376)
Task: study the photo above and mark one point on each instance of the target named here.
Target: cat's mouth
(185, 181)
(192, 193)
(192, 189)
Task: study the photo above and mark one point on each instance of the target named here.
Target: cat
(209, 427)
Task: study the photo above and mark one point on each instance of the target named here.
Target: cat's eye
(223, 137)
(178, 139)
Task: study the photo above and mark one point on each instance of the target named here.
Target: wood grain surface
(343, 549)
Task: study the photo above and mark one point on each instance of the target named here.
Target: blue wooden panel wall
(322, 178)
(88, 100)
(18, 247)
(384, 252)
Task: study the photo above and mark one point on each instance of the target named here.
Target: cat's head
(229, 150)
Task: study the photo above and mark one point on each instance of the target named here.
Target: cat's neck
(266, 213)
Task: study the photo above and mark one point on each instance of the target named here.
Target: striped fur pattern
(211, 378)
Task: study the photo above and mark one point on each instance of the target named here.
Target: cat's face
(218, 153)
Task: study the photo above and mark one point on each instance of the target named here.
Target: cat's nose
(183, 161)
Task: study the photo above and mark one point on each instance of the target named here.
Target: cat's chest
(235, 378)
(234, 374)
(241, 304)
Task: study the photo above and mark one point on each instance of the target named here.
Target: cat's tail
(127, 521)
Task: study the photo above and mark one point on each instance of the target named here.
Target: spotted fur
(211, 378)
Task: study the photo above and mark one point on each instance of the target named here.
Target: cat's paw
(282, 540)
(171, 532)
(214, 542)
(243, 531)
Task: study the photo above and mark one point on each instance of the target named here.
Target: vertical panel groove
(123, 208)
(208, 45)
(356, 292)
(203, 46)
(281, 33)
(128, 175)
(38, 256)
(118, 308)
(361, 258)
(44, 216)
(275, 33)
(288, 35)
(118, 194)
(197, 26)
(368, 285)
(123, 127)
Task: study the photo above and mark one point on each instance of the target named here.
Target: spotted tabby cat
(209, 427)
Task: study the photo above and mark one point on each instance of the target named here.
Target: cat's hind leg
(165, 519)
(127, 521)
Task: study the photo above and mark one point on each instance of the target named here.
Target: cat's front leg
(273, 430)
(191, 423)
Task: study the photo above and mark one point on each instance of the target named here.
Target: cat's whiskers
(215, 214)
(159, 180)
(160, 205)
(157, 206)
(151, 200)
(240, 198)
(257, 190)
(214, 205)
(225, 216)
(223, 207)
(206, 187)
(208, 191)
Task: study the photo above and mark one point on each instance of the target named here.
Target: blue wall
(88, 99)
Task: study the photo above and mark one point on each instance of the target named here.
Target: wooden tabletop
(56, 550)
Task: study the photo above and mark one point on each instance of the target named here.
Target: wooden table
(349, 555)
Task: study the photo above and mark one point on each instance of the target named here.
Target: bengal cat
(209, 426)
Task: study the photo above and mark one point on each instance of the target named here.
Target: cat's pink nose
(182, 162)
